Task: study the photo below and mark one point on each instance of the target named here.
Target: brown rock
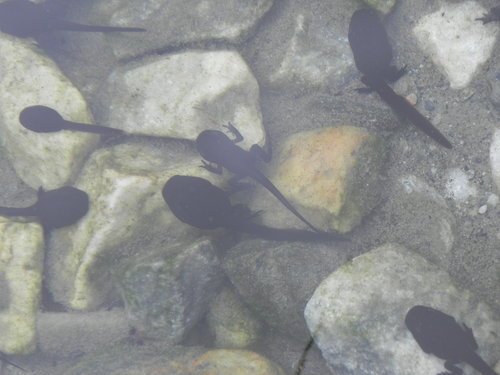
(332, 174)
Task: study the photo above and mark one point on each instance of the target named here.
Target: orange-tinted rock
(331, 174)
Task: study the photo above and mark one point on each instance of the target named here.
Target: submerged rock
(275, 280)
(455, 41)
(332, 174)
(384, 6)
(127, 215)
(28, 77)
(167, 293)
(232, 324)
(297, 50)
(233, 362)
(182, 94)
(21, 273)
(313, 58)
(179, 22)
(357, 314)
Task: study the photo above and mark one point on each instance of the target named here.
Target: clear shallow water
(305, 84)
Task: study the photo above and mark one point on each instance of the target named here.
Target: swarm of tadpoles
(195, 201)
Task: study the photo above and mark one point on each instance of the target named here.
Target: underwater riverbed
(359, 187)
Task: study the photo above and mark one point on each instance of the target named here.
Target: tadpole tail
(17, 211)
(278, 234)
(264, 181)
(302, 360)
(72, 26)
(480, 365)
(90, 128)
(401, 106)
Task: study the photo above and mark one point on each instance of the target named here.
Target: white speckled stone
(124, 185)
(456, 42)
(28, 77)
(21, 273)
(182, 94)
(356, 315)
(458, 187)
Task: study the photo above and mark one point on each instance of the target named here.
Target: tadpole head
(41, 119)
(61, 207)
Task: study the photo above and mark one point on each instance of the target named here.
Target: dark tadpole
(219, 151)
(372, 53)
(54, 208)
(42, 119)
(440, 334)
(24, 19)
(196, 202)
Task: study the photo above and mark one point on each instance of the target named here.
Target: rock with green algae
(27, 78)
(232, 324)
(127, 358)
(167, 293)
(233, 362)
(384, 6)
(356, 315)
(127, 216)
(332, 175)
(162, 359)
(21, 273)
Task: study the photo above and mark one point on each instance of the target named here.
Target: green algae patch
(232, 324)
(21, 273)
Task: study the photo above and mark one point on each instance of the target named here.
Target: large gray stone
(167, 293)
(231, 322)
(177, 22)
(303, 47)
(455, 41)
(357, 314)
(182, 94)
